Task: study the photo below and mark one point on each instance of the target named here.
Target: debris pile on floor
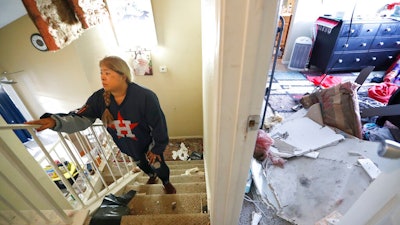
(325, 169)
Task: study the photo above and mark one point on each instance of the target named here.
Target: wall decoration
(38, 42)
(142, 64)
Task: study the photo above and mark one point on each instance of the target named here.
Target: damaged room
(268, 113)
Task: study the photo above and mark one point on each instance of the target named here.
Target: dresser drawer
(387, 29)
(381, 59)
(348, 60)
(386, 43)
(352, 30)
(352, 44)
(369, 29)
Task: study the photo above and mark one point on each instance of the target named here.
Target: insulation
(60, 22)
(89, 12)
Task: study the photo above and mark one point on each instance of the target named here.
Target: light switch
(163, 69)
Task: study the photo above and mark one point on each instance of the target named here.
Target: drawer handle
(352, 31)
(358, 59)
(397, 42)
(370, 30)
(381, 43)
(373, 58)
(346, 45)
(340, 60)
(390, 57)
(388, 29)
(364, 44)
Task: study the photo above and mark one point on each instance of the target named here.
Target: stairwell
(188, 206)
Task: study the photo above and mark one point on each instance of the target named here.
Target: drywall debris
(330, 219)
(312, 155)
(256, 218)
(355, 154)
(314, 185)
(300, 136)
(272, 121)
(370, 168)
(309, 189)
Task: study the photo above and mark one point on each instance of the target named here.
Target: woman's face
(111, 80)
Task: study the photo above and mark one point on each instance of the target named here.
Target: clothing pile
(387, 85)
(386, 92)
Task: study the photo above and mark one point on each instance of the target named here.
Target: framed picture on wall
(142, 64)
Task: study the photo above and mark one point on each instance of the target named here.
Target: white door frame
(379, 204)
(238, 39)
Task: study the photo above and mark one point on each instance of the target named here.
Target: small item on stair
(182, 153)
(196, 156)
(191, 171)
(112, 209)
(173, 205)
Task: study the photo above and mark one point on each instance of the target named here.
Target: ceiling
(10, 10)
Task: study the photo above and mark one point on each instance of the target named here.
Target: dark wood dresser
(344, 45)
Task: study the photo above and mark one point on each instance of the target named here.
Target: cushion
(339, 107)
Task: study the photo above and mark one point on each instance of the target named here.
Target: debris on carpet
(326, 170)
(182, 153)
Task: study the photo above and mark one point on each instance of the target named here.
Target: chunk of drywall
(302, 135)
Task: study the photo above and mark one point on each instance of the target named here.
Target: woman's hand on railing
(44, 123)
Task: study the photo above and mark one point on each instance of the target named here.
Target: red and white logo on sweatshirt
(123, 127)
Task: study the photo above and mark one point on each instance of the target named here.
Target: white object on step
(191, 171)
(182, 153)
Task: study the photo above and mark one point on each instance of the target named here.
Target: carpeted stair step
(168, 204)
(175, 169)
(199, 177)
(185, 164)
(191, 162)
(190, 171)
(181, 162)
(167, 219)
(181, 188)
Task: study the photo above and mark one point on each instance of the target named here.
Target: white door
(379, 204)
(238, 38)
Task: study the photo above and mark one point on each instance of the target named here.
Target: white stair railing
(83, 163)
